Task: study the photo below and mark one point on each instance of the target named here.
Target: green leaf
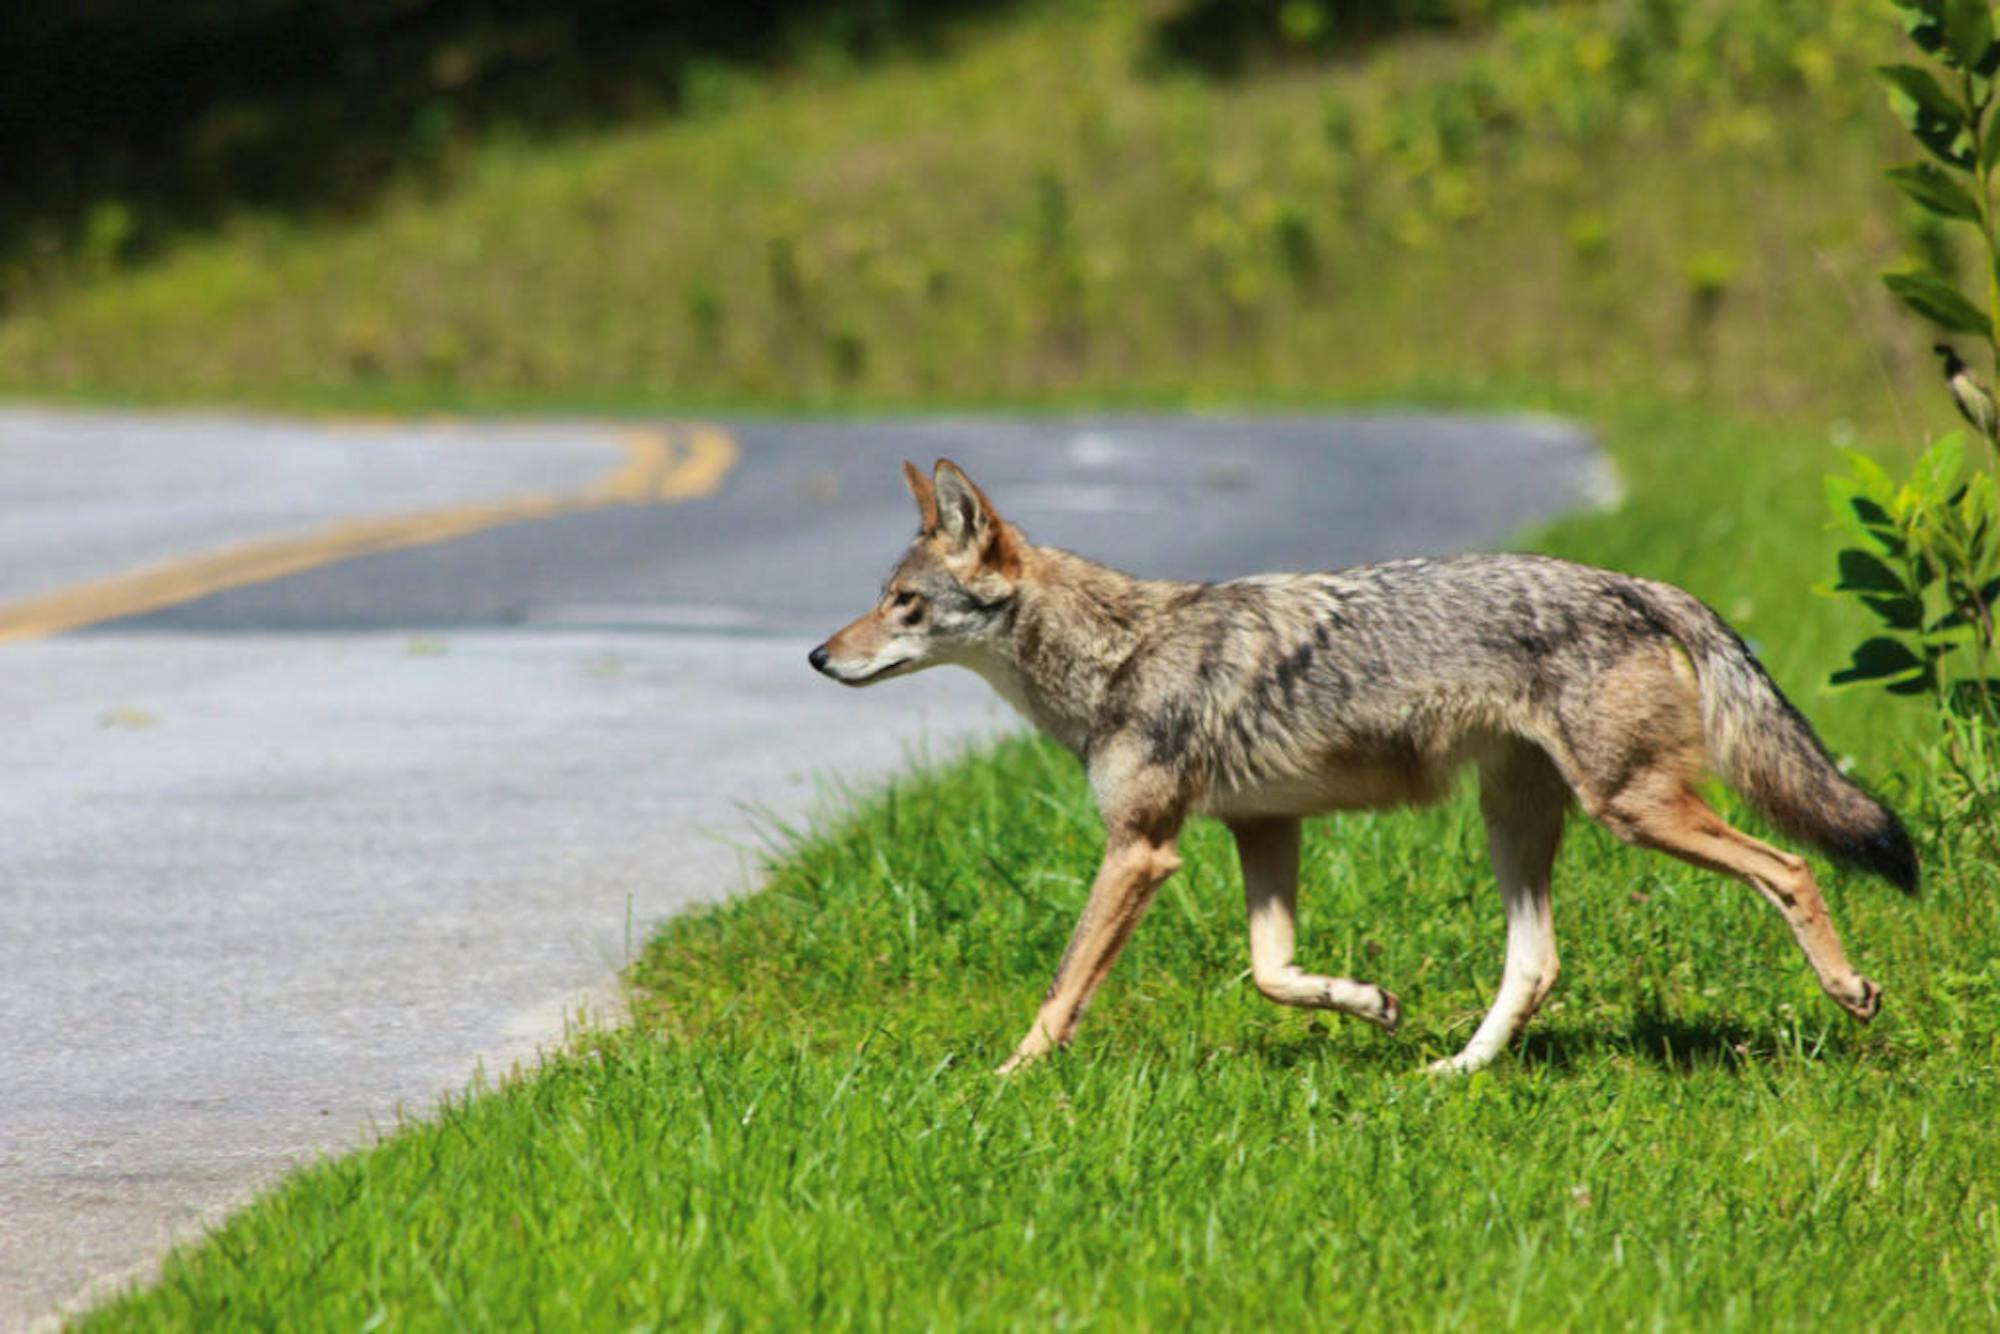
(1929, 113)
(1922, 91)
(1968, 31)
(1976, 503)
(1938, 469)
(1876, 518)
(1882, 660)
(1855, 508)
(1924, 21)
(1989, 152)
(1898, 613)
(1939, 302)
(1863, 573)
(1935, 190)
(1872, 477)
(1949, 144)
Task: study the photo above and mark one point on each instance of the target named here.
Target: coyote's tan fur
(1262, 700)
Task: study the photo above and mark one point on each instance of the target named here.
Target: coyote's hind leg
(1660, 811)
(1636, 747)
(1269, 851)
(1523, 800)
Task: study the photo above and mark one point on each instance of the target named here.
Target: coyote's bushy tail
(1761, 746)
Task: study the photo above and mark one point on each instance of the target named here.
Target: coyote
(1261, 700)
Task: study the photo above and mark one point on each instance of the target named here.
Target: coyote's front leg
(1269, 851)
(1135, 865)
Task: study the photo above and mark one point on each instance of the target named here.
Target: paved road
(281, 860)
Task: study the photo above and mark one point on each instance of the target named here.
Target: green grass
(800, 1126)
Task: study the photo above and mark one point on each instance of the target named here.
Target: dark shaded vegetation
(127, 119)
(1230, 37)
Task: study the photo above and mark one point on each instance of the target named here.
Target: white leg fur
(1269, 851)
(1524, 816)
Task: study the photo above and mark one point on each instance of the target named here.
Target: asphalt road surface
(345, 759)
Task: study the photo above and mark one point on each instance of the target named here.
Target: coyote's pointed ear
(963, 514)
(968, 520)
(926, 496)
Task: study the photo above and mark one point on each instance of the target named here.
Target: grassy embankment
(1687, 208)
(799, 1125)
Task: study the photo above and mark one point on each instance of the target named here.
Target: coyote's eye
(910, 603)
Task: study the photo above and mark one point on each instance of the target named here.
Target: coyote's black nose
(818, 658)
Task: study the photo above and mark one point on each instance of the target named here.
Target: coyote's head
(948, 599)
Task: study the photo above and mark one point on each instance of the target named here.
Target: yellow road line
(681, 463)
(711, 453)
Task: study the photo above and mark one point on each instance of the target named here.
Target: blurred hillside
(126, 121)
(822, 204)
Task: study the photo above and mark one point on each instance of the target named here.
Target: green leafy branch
(1926, 564)
(1924, 557)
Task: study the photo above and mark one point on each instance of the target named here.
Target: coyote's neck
(1075, 623)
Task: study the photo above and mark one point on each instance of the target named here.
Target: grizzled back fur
(1369, 686)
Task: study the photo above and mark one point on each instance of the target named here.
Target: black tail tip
(1886, 851)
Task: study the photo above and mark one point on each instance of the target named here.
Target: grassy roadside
(799, 1126)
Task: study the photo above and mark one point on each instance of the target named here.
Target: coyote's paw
(1032, 1049)
(1389, 1017)
(1867, 1005)
(1460, 1064)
